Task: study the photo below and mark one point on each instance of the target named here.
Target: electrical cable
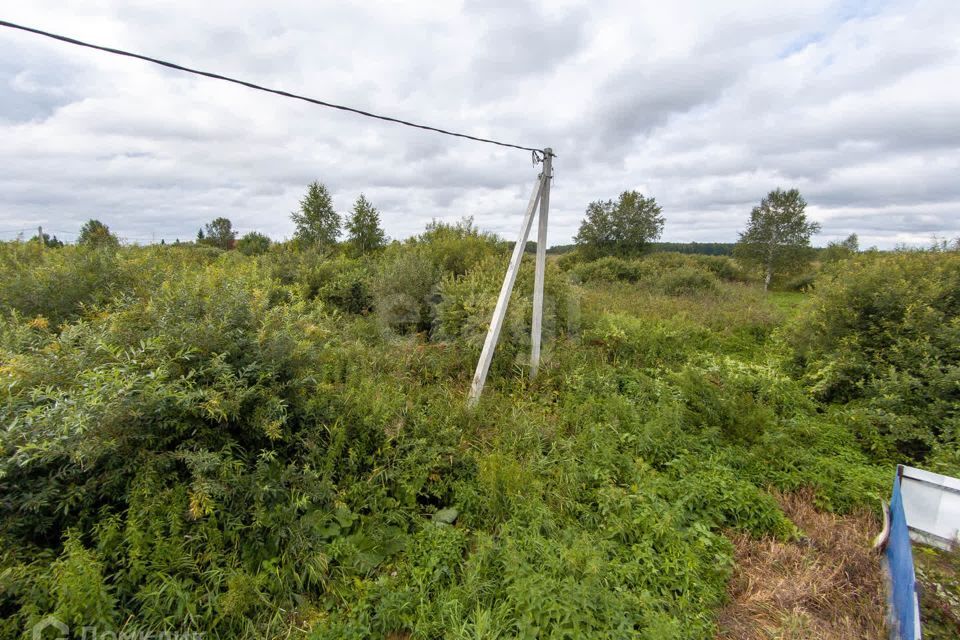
(251, 85)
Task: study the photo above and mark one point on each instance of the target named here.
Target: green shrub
(79, 586)
(165, 434)
(625, 338)
(802, 282)
(403, 288)
(610, 269)
(723, 267)
(455, 248)
(344, 284)
(253, 244)
(466, 305)
(879, 333)
(685, 281)
(663, 262)
(56, 284)
(569, 260)
(340, 282)
(208, 442)
(654, 266)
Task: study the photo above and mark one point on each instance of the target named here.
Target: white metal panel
(931, 503)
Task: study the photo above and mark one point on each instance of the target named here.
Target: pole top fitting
(540, 156)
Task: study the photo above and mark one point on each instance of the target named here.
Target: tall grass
(255, 446)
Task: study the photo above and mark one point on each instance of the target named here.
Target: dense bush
(165, 421)
(624, 337)
(687, 281)
(212, 442)
(336, 280)
(656, 266)
(344, 284)
(801, 282)
(879, 335)
(723, 267)
(56, 284)
(455, 248)
(253, 244)
(59, 285)
(610, 269)
(465, 306)
(404, 288)
(406, 285)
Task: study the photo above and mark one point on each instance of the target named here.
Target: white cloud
(706, 106)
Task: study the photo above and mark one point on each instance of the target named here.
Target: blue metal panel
(900, 558)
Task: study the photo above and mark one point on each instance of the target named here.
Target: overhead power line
(251, 85)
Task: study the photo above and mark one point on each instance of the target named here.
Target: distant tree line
(776, 240)
(318, 225)
(699, 248)
(49, 241)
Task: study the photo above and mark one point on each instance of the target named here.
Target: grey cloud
(17, 106)
(521, 39)
(703, 106)
(33, 84)
(645, 96)
(916, 221)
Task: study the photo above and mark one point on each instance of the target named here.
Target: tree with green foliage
(49, 241)
(96, 234)
(220, 233)
(841, 250)
(622, 227)
(317, 223)
(777, 237)
(253, 244)
(363, 227)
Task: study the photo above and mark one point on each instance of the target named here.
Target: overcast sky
(705, 106)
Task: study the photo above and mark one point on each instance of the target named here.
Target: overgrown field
(278, 445)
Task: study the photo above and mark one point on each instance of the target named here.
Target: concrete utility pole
(541, 197)
(537, 324)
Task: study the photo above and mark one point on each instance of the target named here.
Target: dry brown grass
(828, 586)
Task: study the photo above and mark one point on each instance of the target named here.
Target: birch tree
(318, 224)
(777, 237)
(363, 227)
